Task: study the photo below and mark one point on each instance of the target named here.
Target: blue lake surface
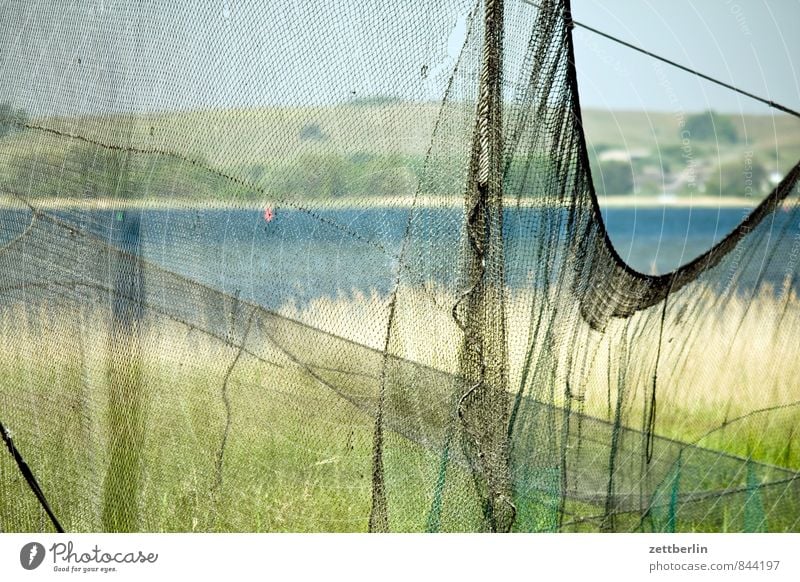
(300, 255)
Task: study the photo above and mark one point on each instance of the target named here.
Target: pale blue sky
(753, 44)
(78, 57)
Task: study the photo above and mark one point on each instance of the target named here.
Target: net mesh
(303, 267)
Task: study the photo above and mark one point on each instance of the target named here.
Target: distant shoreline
(344, 203)
(679, 202)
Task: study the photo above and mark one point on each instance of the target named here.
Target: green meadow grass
(137, 445)
(297, 456)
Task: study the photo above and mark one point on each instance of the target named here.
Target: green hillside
(368, 149)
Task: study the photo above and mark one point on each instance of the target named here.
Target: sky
(752, 44)
(86, 56)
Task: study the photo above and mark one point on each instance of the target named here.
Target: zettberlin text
(676, 549)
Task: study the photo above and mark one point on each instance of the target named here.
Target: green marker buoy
(120, 216)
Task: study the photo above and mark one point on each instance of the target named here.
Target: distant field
(350, 150)
(771, 138)
(645, 128)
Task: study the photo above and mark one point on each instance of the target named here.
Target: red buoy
(268, 214)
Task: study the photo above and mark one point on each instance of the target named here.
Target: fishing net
(309, 266)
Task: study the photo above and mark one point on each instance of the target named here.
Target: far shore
(344, 203)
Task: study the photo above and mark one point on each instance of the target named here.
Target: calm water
(302, 256)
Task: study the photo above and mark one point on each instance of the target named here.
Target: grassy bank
(351, 203)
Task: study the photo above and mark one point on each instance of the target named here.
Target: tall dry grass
(725, 363)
